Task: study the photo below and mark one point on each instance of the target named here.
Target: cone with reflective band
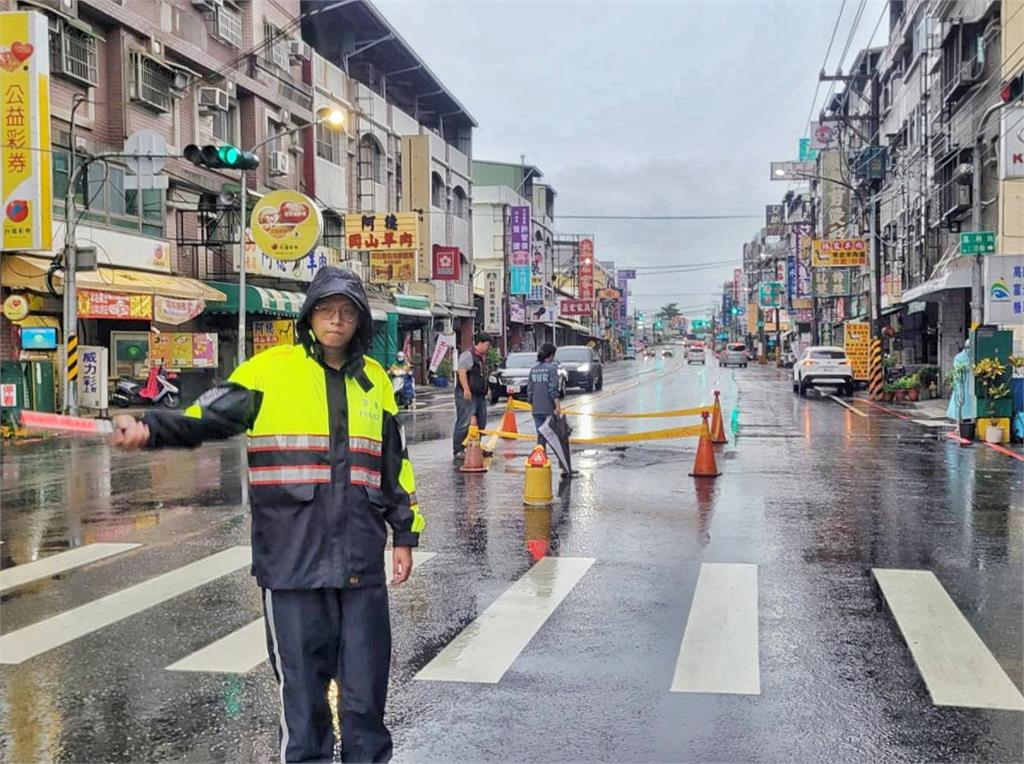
(537, 485)
(508, 422)
(704, 465)
(717, 425)
(474, 461)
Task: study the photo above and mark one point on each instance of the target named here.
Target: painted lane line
(954, 436)
(847, 406)
(719, 653)
(488, 647)
(931, 422)
(59, 563)
(956, 666)
(245, 649)
(18, 646)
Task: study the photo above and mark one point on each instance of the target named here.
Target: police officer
(328, 471)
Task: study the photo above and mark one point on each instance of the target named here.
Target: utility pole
(977, 290)
(70, 273)
(243, 199)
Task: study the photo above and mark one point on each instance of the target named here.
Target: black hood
(330, 281)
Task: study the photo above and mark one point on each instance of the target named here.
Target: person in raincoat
(329, 474)
(963, 404)
(542, 389)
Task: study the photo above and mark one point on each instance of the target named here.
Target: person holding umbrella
(542, 389)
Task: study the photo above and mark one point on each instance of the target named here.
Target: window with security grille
(229, 25)
(275, 45)
(72, 53)
(153, 82)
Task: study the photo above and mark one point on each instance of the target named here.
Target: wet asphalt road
(811, 494)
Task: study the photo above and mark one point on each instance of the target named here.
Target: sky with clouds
(643, 108)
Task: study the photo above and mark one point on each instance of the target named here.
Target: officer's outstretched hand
(129, 433)
(401, 559)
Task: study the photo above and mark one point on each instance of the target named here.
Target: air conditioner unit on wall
(298, 50)
(278, 163)
(214, 99)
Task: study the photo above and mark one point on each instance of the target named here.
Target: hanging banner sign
(493, 319)
(519, 250)
(114, 305)
(174, 310)
(392, 267)
(445, 344)
(516, 312)
(839, 253)
(286, 225)
(447, 263)
(575, 308)
(586, 269)
(26, 180)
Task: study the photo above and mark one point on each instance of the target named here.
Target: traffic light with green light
(221, 157)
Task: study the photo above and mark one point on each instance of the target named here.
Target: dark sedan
(583, 365)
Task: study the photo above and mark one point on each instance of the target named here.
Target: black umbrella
(556, 432)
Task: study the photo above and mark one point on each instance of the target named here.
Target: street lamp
(330, 116)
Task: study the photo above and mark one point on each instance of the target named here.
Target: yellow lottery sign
(286, 225)
(26, 183)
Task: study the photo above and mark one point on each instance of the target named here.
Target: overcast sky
(642, 108)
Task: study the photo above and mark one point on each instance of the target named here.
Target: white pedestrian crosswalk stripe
(59, 563)
(18, 646)
(246, 648)
(957, 667)
(488, 647)
(719, 652)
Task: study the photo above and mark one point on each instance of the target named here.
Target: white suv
(823, 365)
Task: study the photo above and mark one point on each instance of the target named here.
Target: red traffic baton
(73, 425)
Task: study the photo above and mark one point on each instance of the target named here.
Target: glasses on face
(346, 313)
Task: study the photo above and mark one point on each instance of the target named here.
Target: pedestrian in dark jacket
(328, 473)
(542, 390)
(470, 391)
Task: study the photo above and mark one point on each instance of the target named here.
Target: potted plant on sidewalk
(889, 391)
(444, 373)
(913, 382)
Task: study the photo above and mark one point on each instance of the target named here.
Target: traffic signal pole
(243, 198)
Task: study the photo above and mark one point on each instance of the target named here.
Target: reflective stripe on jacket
(320, 510)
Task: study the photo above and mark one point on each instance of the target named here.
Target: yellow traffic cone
(537, 486)
(474, 461)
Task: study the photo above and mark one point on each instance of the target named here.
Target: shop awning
(379, 310)
(25, 272)
(271, 302)
(576, 326)
(413, 312)
(957, 276)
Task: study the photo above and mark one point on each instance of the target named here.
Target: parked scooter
(158, 390)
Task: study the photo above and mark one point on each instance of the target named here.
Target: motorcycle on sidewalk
(157, 390)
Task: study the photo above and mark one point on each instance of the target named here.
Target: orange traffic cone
(508, 422)
(704, 465)
(717, 428)
(474, 461)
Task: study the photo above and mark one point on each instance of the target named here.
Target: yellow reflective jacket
(328, 466)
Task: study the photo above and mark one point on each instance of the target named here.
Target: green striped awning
(271, 302)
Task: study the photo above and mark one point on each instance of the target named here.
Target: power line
(727, 216)
(817, 86)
